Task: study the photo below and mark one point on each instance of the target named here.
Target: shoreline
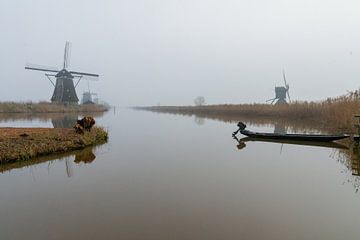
(47, 107)
(21, 144)
(333, 115)
(6, 167)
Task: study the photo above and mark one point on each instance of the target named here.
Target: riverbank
(46, 107)
(19, 144)
(335, 115)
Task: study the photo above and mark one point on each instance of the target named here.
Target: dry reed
(334, 113)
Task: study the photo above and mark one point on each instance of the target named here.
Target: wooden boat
(294, 137)
(297, 137)
(294, 142)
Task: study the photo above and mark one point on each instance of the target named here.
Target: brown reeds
(336, 114)
(46, 107)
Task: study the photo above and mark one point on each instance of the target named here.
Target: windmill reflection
(64, 121)
(68, 120)
(280, 128)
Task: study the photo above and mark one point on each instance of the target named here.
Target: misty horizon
(169, 52)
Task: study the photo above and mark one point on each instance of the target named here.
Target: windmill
(281, 93)
(87, 96)
(64, 88)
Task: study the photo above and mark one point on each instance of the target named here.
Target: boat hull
(295, 137)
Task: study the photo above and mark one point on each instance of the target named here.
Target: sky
(168, 52)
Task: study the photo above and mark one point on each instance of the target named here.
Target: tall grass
(332, 113)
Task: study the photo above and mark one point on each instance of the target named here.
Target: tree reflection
(199, 120)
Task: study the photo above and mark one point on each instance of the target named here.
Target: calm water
(164, 176)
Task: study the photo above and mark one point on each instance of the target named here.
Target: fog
(168, 52)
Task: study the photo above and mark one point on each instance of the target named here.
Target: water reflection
(65, 121)
(280, 125)
(199, 120)
(351, 160)
(348, 156)
(58, 120)
(280, 128)
(86, 156)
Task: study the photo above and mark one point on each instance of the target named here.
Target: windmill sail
(37, 67)
(85, 74)
(67, 55)
(286, 86)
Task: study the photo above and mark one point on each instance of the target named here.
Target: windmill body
(64, 90)
(64, 87)
(87, 96)
(281, 93)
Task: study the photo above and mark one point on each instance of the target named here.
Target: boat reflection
(348, 156)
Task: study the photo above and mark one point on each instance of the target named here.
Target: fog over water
(169, 52)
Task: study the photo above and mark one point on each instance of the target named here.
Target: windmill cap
(64, 73)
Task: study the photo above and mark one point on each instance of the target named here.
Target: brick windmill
(64, 87)
(281, 93)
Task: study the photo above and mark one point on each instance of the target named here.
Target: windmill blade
(270, 100)
(273, 100)
(40, 68)
(67, 55)
(288, 94)
(286, 85)
(85, 74)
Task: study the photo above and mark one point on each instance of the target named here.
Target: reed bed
(46, 107)
(336, 114)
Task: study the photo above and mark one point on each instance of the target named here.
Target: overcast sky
(170, 51)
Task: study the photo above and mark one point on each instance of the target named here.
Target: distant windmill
(281, 93)
(87, 96)
(64, 88)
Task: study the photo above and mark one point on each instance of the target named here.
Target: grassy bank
(336, 114)
(18, 144)
(85, 155)
(46, 107)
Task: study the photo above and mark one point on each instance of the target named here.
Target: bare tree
(199, 101)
